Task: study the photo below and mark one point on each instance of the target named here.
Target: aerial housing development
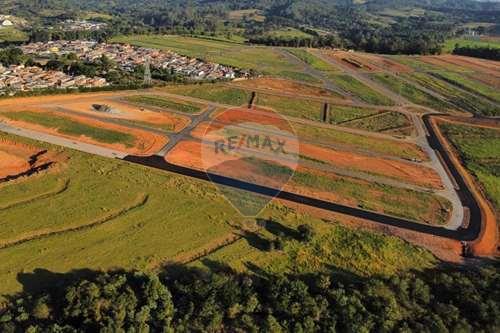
(21, 78)
(128, 57)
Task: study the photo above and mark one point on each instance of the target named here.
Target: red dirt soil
(146, 143)
(83, 103)
(15, 158)
(189, 154)
(488, 241)
(410, 173)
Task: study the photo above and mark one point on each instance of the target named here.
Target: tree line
(485, 52)
(445, 299)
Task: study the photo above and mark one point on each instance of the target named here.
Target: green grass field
(163, 102)
(107, 214)
(293, 107)
(287, 33)
(411, 92)
(334, 249)
(449, 45)
(460, 99)
(12, 35)
(479, 149)
(312, 60)
(360, 90)
(71, 127)
(262, 59)
(213, 92)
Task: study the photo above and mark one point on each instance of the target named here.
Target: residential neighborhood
(128, 57)
(21, 78)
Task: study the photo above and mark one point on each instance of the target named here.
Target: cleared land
(411, 92)
(87, 130)
(419, 206)
(312, 60)
(338, 138)
(360, 90)
(163, 102)
(133, 217)
(457, 97)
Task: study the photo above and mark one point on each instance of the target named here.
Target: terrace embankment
(19, 160)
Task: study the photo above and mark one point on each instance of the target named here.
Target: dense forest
(335, 23)
(183, 299)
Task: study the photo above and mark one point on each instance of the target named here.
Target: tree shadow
(278, 229)
(256, 241)
(42, 279)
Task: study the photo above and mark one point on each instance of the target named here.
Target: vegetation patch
(411, 92)
(164, 102)
(462, 100)
(312, 60)
(470, 84)
(479, 149)
(381, 122)
(214, 93)
(70, 127)
(360, 90)
(294, 107)
(360, 142)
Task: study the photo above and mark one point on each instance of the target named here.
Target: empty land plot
(471, 84)
(293, 107)
(353, 61)
(442, 64)
(213, 92)
(457, 97)
(400, 170)
(385, 63)
(360, 90)
(165, 102)
(411, 92)
(287, 87)
(479, 149)
(394, 148)
(88, 130)
(313, 61)
(419, 206)
(415, 63)
(468, 64)
(380, 122)
(122, 112)
(344, 114)
(287, 33)
(322, 134)
(263, 59)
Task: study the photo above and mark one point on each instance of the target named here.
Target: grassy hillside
(107, 214)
